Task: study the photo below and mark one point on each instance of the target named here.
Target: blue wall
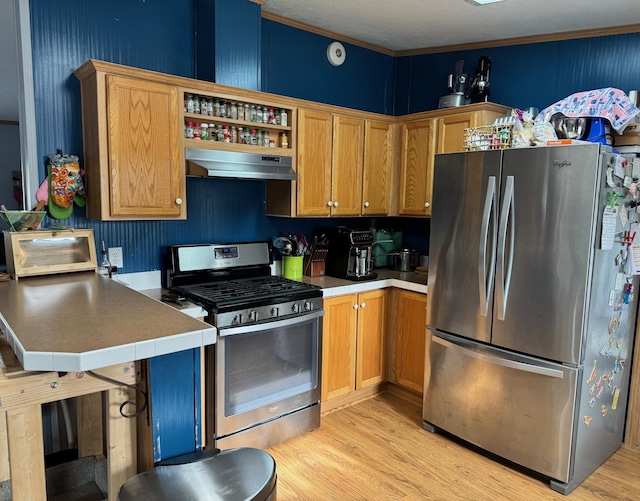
(525, 75)
(159, 35)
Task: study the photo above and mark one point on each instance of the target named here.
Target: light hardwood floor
(377, 450)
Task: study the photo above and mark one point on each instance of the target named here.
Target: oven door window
(270, 365)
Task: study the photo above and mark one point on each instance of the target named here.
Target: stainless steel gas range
(263, 374)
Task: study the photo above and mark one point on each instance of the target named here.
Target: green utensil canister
(292, 267)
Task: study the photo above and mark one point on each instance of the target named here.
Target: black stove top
(230, 294)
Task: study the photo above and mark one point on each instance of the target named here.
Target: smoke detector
(336, 53)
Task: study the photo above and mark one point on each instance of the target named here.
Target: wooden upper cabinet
(146, 167)
(346, 166)
(451, 131)
(416, 168)
(314, 163)
(378, 160)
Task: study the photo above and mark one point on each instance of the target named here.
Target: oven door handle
(265, 326)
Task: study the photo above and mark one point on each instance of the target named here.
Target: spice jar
(189, 103)
(272, 116)
(227, 134)
(283, 117)
(284, 140)
(204, 132)
(240, 111)
(234, 134)
(253, 137)
(223, 109)
(196, 104)
(188, 133)
(213, 132)
(197, 131)
(216, 108)
(241, 135)
(259, 114)
(234, 111)
(265, 138)
(209, 107)
(253, 113)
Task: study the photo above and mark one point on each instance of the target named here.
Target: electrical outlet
(115, 257)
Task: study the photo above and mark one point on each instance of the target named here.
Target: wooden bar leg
(121, 441)
(26, 453)
(90, 430)
(5, 474)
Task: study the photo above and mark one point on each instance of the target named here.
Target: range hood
(215, 163)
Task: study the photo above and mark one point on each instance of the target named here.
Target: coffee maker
(350, 254)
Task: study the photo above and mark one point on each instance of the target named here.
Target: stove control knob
(253, 316)
(275, 311)
(237, 319)
(308, 306)
(295, 308)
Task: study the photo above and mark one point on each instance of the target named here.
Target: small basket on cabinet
(488, 137)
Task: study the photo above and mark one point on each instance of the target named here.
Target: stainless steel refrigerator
(531, 307)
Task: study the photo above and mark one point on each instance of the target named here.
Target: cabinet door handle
(178, 201)
(427, 204)
(335, 204)
(355, 306)
(366, 204)
(362, 305)
(329, 203)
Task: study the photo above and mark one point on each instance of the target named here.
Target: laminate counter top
(409, 280)
(83, 321)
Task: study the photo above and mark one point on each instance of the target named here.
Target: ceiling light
(483, 2)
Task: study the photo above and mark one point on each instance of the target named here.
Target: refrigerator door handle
(535, 369)
(489, 213)
(505, 263)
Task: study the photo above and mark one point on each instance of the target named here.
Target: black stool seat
(233, 475)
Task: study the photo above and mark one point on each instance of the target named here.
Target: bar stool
(241, 474)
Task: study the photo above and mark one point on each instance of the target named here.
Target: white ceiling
(399, 25)
(395, 25)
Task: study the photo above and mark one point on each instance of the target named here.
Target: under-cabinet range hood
(215, 163)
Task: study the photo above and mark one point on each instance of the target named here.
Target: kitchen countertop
(83, 321)
(409, 280)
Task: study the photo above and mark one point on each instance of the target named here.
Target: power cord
(126, 402)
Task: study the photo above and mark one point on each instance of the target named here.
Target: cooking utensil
(21, 220)
(569, 128)
(284, 245)
(407, 259)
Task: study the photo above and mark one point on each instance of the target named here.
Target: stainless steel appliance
(531, 307)
(350, 254)
(458, 84)
(264, 371)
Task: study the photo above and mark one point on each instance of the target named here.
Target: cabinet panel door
(416, 175)
(451, 131)
(338, 346)
(410, 339)
(346, 166)
(378, 157)
(314, 163)
(146, 166)
(372, 322)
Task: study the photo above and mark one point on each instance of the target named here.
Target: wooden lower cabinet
(353, 344)
(411, 323)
